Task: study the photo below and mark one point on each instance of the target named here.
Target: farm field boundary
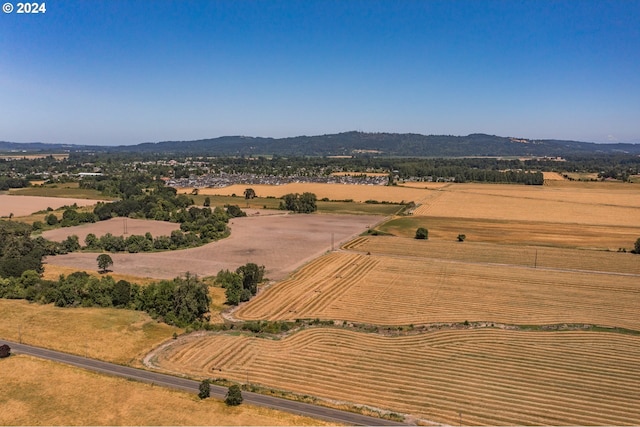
(489, 376)
(393, 290)
(587, 236)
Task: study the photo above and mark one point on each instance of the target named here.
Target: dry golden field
(404, 290)
(53, 272)
(39, 392)
(358, 193)
(600, 237)
(472, 377)
(26, 205)
(114, 335)
(507, 255)
(615, 204)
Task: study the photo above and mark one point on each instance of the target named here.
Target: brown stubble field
(472, 377)
(485, 376)
(490, 375)
(403, 290)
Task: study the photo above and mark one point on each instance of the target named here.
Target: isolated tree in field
(234, 396)
(422, 233)
(104, 262)
(207, 201)
(636, 247)
(5, 351)
(249, 193)
(461, 237)
(204, 389)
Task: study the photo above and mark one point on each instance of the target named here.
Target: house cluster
(223, 179)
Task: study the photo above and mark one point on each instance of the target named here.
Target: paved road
(328, 414)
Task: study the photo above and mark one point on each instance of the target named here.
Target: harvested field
(115, 226)
(358, 193)
(39, 392)
(26, 205)
(516, 255)
(88, 332)
(472, 377)
(615, 205)
(404, 290)
(602, 237)
(279, 242)
(552, 176)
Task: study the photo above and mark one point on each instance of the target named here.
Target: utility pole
(332, 240)
(535, 262)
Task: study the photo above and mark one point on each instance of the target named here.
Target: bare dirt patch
(279, 242)
(25, 205)
(115, 226)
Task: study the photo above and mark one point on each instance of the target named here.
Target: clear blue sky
(129, 71)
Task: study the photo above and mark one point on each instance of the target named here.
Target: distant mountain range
(349, 144)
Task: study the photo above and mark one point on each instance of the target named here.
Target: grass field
(471, 377)
(114, 335)
(347, 208)
(69, 190)
(405, 290)
(38, 392)
(567, 235)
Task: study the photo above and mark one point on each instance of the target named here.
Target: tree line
(183, 301)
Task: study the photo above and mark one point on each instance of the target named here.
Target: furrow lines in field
(491, 375)
(318, 275)
(499, 394)
(336, 290)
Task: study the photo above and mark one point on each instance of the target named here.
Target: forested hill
(360, 143)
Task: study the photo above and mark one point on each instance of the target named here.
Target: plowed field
(279, 242)
(471, 377)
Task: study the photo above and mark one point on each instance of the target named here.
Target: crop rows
(529, 256)
(313, 288)
(386, 290)
(484, 376)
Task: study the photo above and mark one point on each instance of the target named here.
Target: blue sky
(125, 71)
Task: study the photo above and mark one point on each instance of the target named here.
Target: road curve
(328, 414)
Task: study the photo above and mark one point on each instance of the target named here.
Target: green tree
(207, 201)
(5, 351)
(234, 396)
(422, 233)
(252, 275)
(51, 219)
(636, 247)
(249, 193)
(233, 288)
(461, 237)
(204, 389)
(104, 262)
